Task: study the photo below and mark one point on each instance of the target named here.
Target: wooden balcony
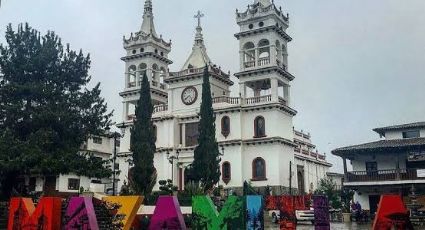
(382, 175)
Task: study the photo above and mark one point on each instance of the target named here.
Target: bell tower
(146, 52)
(263, 52)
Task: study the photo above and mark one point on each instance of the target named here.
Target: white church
(254, 130)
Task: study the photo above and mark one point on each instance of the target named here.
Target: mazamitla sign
(239, 212)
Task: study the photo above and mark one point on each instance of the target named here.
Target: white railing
(160, 108)
(227, 100)
(256, 100)
(263, 61)
(249, 64)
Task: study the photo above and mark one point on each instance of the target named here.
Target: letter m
(23, 215)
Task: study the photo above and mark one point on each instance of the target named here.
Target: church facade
(254, 130)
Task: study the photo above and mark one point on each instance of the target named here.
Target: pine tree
(143, 174)
(205, 168)
(46, 109)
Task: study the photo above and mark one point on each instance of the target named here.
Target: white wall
(363, 199)
(384, 161)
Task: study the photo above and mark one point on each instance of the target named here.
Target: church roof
(199, 57)
(148, 26)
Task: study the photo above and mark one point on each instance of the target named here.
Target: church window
(258, 169)
(132, 76)
(142, 70)
(191, 134)
(249, 54)
(264, 52)
(259, 127)
(154, 71)
(226, 172)
(134, 51)
(155, 132)
(261, 24)
(162, 54)
(225, 126)
(251, 26)
(142, 50)
(156, 51)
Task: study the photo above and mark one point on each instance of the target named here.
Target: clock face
(189, 95)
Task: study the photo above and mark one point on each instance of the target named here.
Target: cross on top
(199, 16)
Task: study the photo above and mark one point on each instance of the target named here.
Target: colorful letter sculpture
(24, 215)
(129, 207)
(167, 214)
(206, 217)
(255, 213)
(321, 213)
(391, 214)
(285, 204)
(80, 214)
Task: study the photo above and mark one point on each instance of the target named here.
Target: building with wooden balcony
(254, 127)
(387, 166)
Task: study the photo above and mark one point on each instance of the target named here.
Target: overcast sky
(359, 64)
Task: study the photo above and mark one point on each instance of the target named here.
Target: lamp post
(171, 160)
(114, 135)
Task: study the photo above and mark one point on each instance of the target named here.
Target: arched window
(249, 54)
(225, 126)
(284, 56)
(226, 172)
(154, 71)
(142, 70)
(132, 76)
(263, 52)
(258, 169)
(259, 127)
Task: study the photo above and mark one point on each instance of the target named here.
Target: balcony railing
(263, 61)
(225, 99)
(131, 84)
(256, 100)
(382, 175)
(249, 64)
(160, 108)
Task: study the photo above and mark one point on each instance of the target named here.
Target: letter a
(167, 214)
(129, 207)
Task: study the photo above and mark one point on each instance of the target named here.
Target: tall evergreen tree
(205, 168)
(46, 109)
(143, 174)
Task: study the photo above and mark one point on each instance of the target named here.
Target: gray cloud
(358, 64)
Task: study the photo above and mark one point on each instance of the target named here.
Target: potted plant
(346, 197)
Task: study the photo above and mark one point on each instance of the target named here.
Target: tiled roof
(397, 127)
(382, 145)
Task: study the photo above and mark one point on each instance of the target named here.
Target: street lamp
(171, 160)
(114, 135)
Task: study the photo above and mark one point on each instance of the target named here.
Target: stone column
(274, 88)
(344, 160)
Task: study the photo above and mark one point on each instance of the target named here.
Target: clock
(189, 95)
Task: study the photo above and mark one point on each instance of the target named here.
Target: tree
(205, 168)
(143, 174)
(328, 187)
(46, 109)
